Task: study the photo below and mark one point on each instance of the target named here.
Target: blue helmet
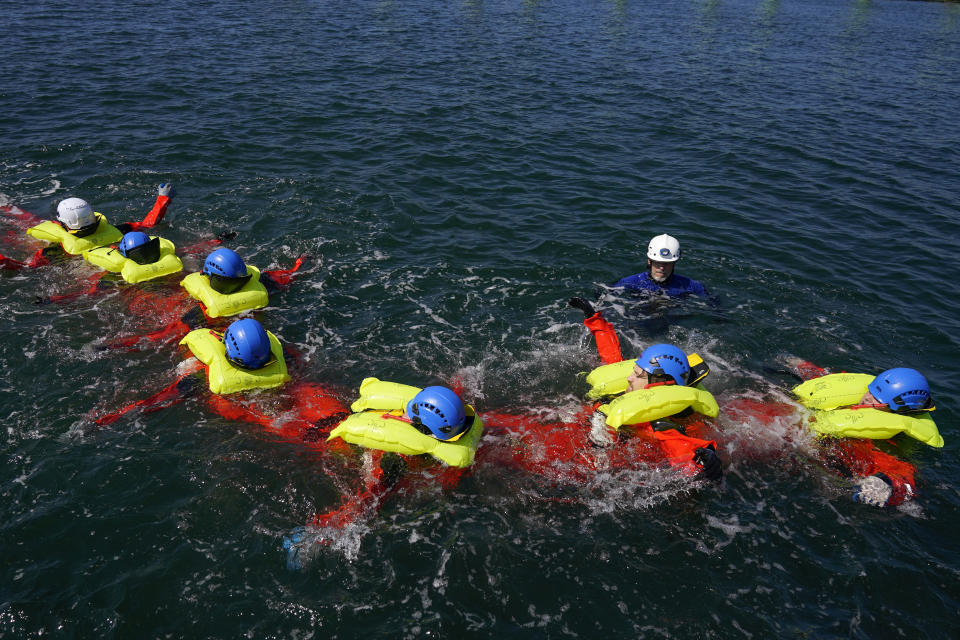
(247, 343)
(224, 262)
(901, 389)
(665, 360)
(439, 410)
(138, 246)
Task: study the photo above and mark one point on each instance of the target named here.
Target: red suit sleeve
(608, 345)
(39, 259)
(154, 217)
(25, 220)
(314, 414)
(166, 397)
(862, 458)
(807, 370)
(174, 331)
(281, 278)
(21, 217)
(93, 287)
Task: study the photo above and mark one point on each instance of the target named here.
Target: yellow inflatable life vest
(832, 391)
(876, 425)
(611, 379)
(828, 393)
(112, 260)
(49, 231)
(654, 403)
(225, 378)
(367, 426)
(253, 295)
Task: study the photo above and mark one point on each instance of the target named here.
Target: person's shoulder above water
(674, 285)
(682, 284)
(663, 253)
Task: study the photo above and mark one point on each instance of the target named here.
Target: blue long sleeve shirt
(673, 286)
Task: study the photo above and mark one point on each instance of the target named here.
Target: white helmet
(75, 213)
(664, 249)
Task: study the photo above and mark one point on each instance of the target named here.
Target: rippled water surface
(457, 171)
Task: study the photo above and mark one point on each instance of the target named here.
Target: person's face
(638, 379)
(869, 398)
(660, 271)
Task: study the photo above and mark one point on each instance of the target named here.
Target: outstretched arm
(39, 259)
(204, 246)
(804, 369)
(608, 345)
(367, 498)
(164, 194)
(94, 286)
(20, 217)
(181, 389)
(280, 279)
(862, 459)
(192, 319)
(25, 220)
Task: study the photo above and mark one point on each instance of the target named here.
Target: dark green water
(458, 170)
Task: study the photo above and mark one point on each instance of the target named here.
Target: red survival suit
(853, 457)
(563, 451)
(24, 219)
(308, 412)
(179, 313)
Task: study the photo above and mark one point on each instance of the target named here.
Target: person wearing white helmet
(663, 253)
(76, 228)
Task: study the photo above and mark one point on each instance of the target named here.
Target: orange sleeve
(155, 216)
(862, 458)
(608, 345)
(808, 371)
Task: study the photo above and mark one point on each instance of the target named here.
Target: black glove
(194, 319)
(583, 305)
(707, 458)
(188, 386)
(124, 228)
(665, 425)
(226, 235)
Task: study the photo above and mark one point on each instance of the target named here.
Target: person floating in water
(860, 421)
(246, 358)
(398, 428)
(654, 415)
(663, 253)
(137, 258)
(407, 436)
(77, 228)
(224, 288)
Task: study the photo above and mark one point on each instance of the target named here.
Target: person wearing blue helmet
(423, 436)
(900, 390)
(247, 344)
(861, 423)
(439, 412)
(663, 253)
(659, 363)
(244, 358)
(652, 412)
(226, 286)
(138, 246)
(76, 228)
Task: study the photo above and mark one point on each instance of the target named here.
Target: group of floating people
(650, 410)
